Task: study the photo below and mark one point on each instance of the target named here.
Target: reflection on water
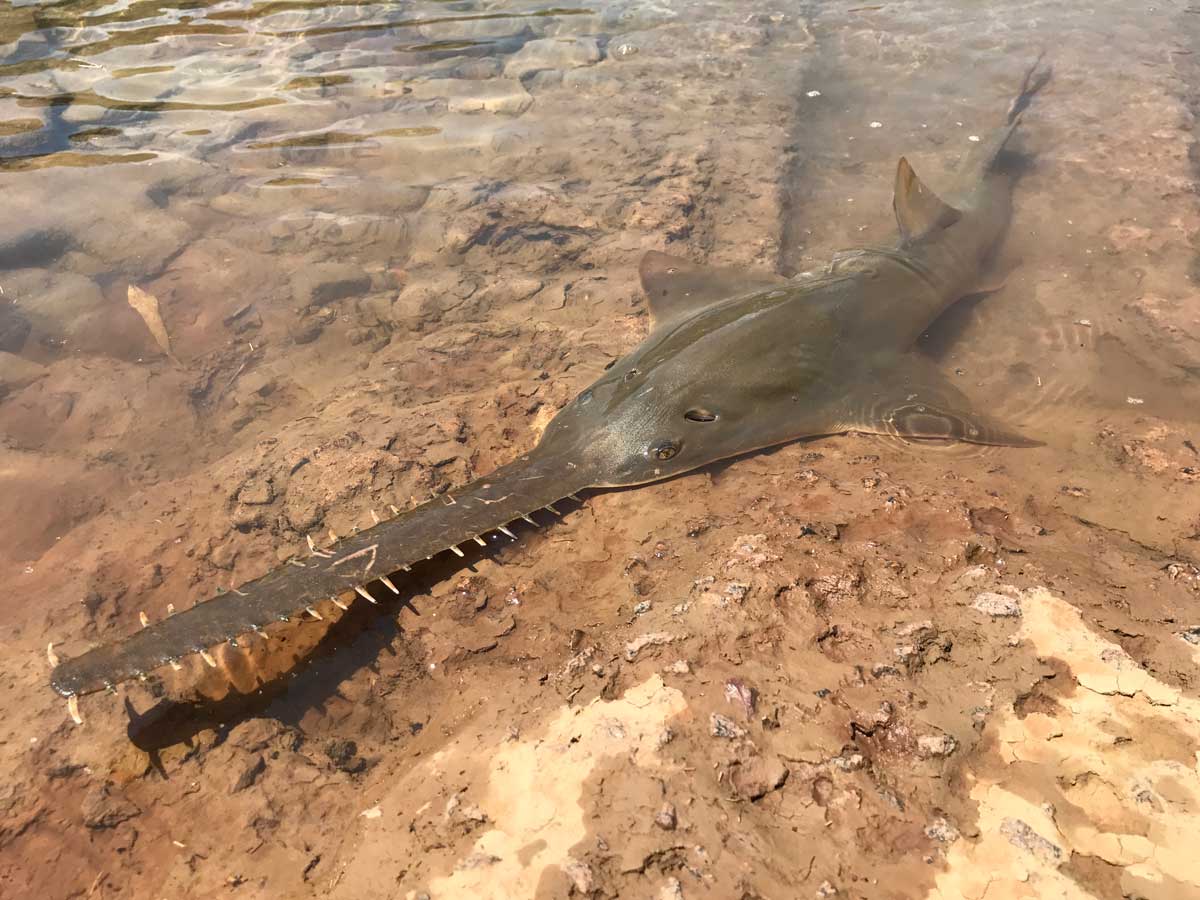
(383, 241)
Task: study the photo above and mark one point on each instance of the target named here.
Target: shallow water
(378, 245)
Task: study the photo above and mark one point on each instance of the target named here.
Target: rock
(746, 697)
(997, 605)
(1019, 834)
(941, 830)
(14, 328)
(103, 807)
(679, 667)
(757, 777)
(344, 755)
(666, 818)
(16, 373)
(504, 96)
(724, 727)
(327, 283)
(580, 875)
(33, 248)
(935, 745)
(1192, 635)
(249, 775)
(672, 890)
(307, 330)
(245, 517)
(654, 639)
(642, 608)
(256, 491)
(825, 889)
(553, 53)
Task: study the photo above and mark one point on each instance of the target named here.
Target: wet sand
(847, 667)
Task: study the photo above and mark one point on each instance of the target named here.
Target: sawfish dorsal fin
(676, 287)
(918, 209)
(914, 400)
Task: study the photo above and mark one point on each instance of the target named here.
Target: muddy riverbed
(377, 247)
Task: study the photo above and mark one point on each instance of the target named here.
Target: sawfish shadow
(355, 641)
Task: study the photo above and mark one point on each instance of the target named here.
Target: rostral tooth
(207, 657)
(528, 519)
(142, 618)
(312, 612)
(480, 541)
(375, 517)
(457, 552)
(388, 584)
(506, 530)
(363, 592)
(339, 604)
(550, 506)
(51, 655)
(73, 709)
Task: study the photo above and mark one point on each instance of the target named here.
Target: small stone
(936, 745)
(256, 491)
(306, 331)
(580, 875)
(850, 763)
(757, 777)
(664, 737)
(642, 608)
(724, 727)
(1019, 834)
(327, 283)
(666, 817)
(998, 605)
(16, 373)
(876, 124)
(553, 53)
(672, 890)
(746, 697)
(344, 755)
(250, 775)
(679, 667)
(1192, 635)
(941, 830)
(812, 93)
(103, 808)
(826, 890)
(654, 639)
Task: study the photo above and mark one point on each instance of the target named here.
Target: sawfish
(734, 362)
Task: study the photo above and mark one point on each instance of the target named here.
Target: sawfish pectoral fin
(917, 403)
(919, 210)
(676, 287)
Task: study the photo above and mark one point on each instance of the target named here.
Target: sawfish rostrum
(734, 362)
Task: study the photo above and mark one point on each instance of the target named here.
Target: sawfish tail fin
(985, 154)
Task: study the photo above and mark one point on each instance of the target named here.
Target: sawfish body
(734, 362)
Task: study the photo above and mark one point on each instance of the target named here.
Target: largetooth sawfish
(734, 362)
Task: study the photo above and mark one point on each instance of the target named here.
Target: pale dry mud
(849, 667)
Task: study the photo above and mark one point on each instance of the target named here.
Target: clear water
(387, 240)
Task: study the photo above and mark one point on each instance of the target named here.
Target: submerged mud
(847, 667)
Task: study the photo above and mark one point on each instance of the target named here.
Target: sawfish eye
(700, 415)
(663, 449)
